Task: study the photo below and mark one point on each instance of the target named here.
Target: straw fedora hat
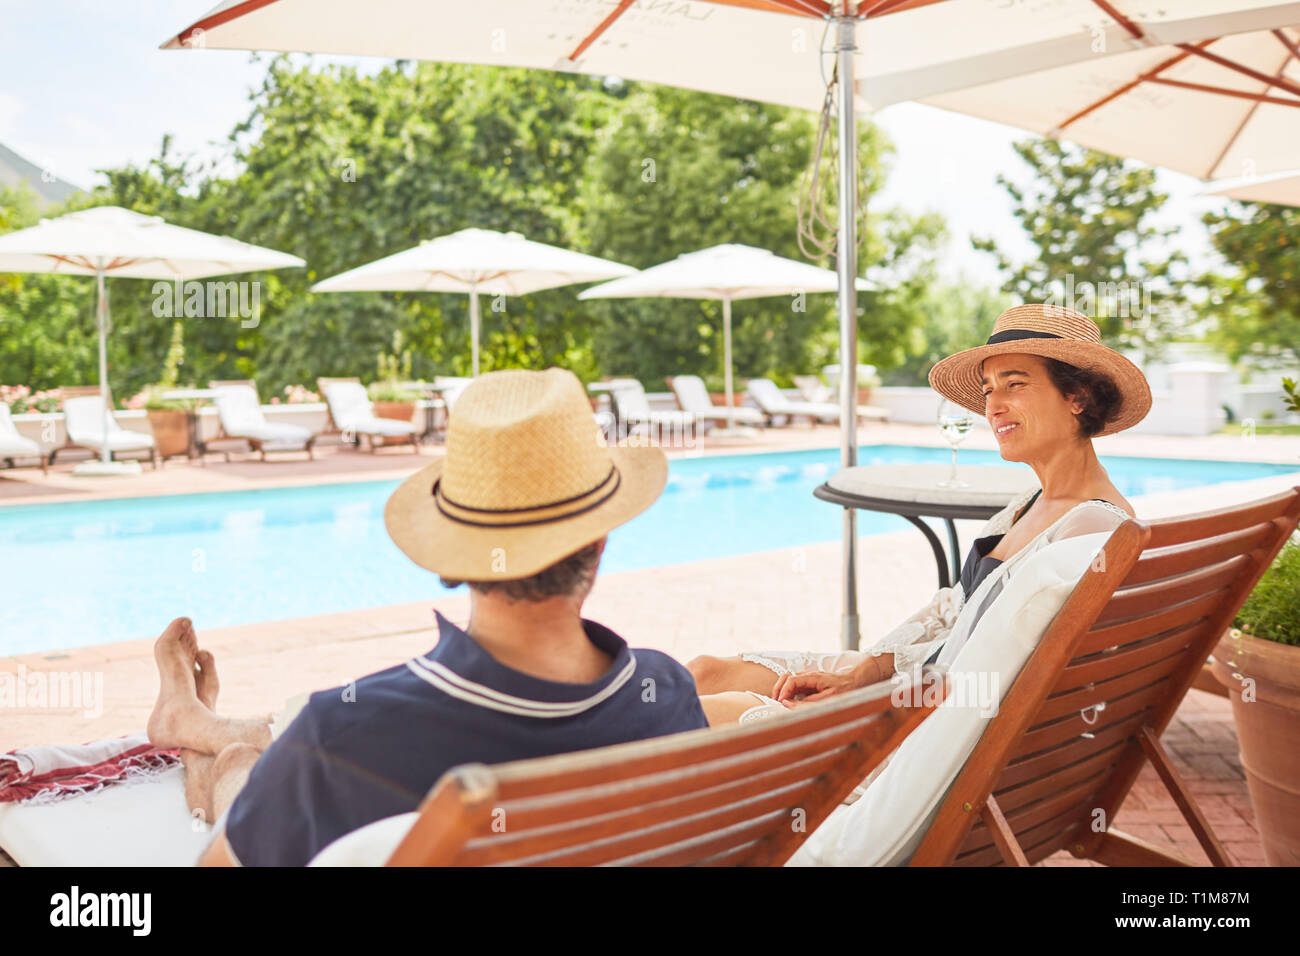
(527, 480)
(1050, 331)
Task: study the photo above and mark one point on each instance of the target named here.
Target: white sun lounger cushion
(141, 823)
(887, 823)
(12, 443)
(84, 419)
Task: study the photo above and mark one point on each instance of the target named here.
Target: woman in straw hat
(1047, 387)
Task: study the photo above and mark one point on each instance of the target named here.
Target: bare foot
(175, 652)
(206, 683)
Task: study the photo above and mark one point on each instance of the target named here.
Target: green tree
(956, 316)
(1255, 308)
(1089, 215)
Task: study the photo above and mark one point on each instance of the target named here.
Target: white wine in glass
(955, 423)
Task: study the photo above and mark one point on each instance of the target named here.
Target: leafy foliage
(341, 168)
(1256, 308)
(1272, 611)
(1089, 214)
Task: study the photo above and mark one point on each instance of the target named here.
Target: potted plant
(170, 419)
(389, 396)
(1258, 660)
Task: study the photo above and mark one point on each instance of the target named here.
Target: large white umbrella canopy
(473, 261)
(1217, 108)
(777, 51)
(1280, 188)
(111, 241)
(727, 273)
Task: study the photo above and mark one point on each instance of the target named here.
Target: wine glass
(955, 423)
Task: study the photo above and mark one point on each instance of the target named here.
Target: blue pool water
(101, 571)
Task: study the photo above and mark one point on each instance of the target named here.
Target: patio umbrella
(111, 241)
(1218, 108)
(1280, 188)
(727, 273)
(769, 50)
(471, 261)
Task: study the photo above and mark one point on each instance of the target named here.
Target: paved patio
(787, 598)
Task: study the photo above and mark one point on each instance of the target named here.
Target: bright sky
(84, 86)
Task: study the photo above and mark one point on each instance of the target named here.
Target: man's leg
(180, 718)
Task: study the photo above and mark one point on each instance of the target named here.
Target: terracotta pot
(403, 411)
(864, 395)
(720, 398)
(1268, 733)
(171, 431)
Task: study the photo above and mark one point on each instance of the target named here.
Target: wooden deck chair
(240, 418)
(86, 429)
(1052, 769)
(346, 398)
(745, 795)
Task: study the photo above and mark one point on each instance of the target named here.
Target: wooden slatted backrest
(745, 795)
(1062, 752)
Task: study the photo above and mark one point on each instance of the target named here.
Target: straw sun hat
(527, 480)
(1049, 331)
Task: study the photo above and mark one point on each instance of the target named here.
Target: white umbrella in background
(776, 51)
(111, 241)
(1280, 188)
(726, 273)
(473, 261)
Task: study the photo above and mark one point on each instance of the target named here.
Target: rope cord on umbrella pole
(817, 214)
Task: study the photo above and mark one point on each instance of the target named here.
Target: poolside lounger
(1088, 708)
(693, 397)
(633, 409)
(745, 795)
(773, 402)
(14, 445)
(84, 419)
(240, 412)
(351, 411)
(813, 389)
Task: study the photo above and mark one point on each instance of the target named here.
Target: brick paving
(785, 599)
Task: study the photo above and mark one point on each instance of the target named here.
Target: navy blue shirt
(371, 750)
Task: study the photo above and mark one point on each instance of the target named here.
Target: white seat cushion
(143, 823)
(17, 445)
(387, 427)
(274, 433)
(371, 845)
(887, 823)
(119, 439)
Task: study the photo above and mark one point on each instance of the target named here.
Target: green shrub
(1272, 611)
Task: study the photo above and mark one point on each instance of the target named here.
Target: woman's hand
(811, 686)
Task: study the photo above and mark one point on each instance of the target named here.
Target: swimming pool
(100, 571)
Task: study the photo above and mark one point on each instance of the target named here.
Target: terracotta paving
(786, 599)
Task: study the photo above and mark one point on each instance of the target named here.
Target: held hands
(811, 686)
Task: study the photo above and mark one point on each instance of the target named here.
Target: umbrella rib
(594, 35)
(1286, 42)
(1277, 83)
(1232, 140)
(1120, 91)
(1222, 91)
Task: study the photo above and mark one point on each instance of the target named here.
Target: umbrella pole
(101, 319)
(473, 328)
(726, 352)
(846, 265)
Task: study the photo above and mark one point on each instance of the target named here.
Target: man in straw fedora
(519, 508)
(1047, 386)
